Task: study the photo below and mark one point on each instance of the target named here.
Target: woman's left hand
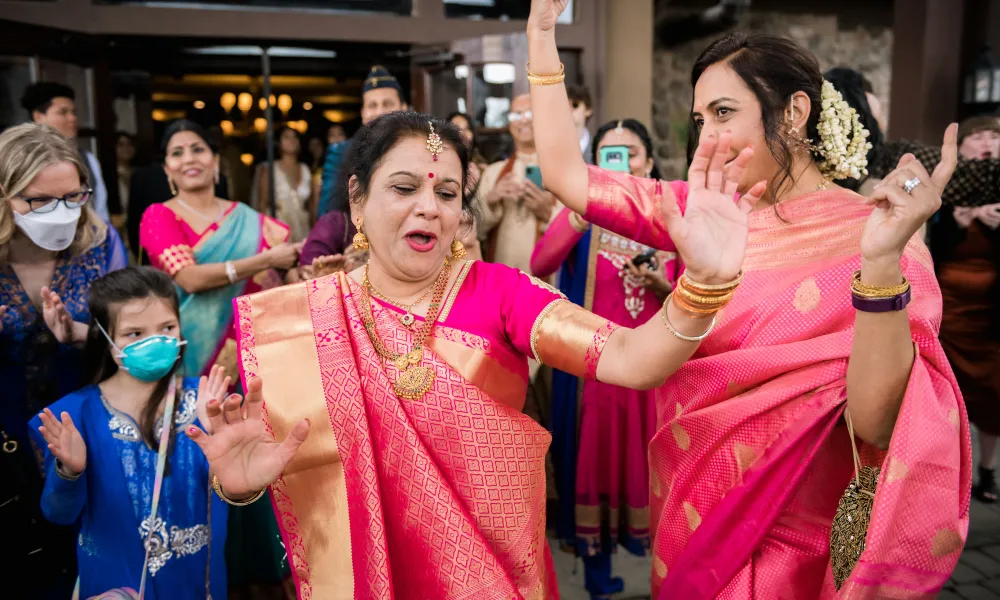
(898, 215)
(59, 321)
(214, 386)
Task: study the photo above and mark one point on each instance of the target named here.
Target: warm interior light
(199, 104)
(246, 159)
(228, 101)
(245, 101)
(307, 106)
(284, 103)
(227, 127)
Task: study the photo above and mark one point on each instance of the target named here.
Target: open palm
(898, 215)
(64, 441)
(240, 451)
(711, 234)
(545, 13)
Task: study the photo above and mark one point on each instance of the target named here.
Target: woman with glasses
(52, 246)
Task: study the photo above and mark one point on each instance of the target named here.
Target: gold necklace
(407, 318)
(823, 185)
(414, 380)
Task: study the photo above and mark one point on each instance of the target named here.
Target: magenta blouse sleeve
(553, 248)
(630, 206)
(163, 241)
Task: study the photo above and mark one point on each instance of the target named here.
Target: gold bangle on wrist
(707, 301)
(711, 289)
(698, 310)
(679, 335)
(860, 288)
(551, 79)
(230, 501)
(578, 223)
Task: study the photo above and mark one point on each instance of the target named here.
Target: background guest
(580, 102)
(292, 186)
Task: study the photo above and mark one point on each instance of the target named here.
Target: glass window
(399, 7)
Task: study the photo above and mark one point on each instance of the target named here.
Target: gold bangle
(694, 309)
(698, 299)
(551, 79)
(679, 335)
(578, 223)
(230, 501)
(865, 290)
(717, 289)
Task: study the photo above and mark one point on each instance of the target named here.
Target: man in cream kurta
(517, 211)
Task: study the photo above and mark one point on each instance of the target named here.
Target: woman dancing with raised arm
(750, 459)
(421, 477)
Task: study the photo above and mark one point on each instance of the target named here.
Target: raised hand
(214, 386)
(538, 201)
(64, 442)
(327, 265)
(898, 215)
(711, 235)
(239, 450)
(545, 13)
(284, 256)
(57, 316)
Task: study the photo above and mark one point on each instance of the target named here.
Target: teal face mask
(148, 359)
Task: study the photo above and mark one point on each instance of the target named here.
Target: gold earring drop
(457, 250)
(360, 240)
(173, 188)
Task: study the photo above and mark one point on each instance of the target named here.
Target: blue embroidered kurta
(35, 370)
(111, 501)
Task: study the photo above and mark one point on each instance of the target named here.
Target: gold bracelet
(552, 79)
(679, 335)
(230, 501)
(865, 290)
(578, 223)
(695, 309)
(705, 289)
(698, 299)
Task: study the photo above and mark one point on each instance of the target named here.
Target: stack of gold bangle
(551, 79)
(871, 292)
(702, 299)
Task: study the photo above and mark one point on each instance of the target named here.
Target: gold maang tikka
(434, 144)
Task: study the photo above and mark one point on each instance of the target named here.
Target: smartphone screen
(534, 174)
(613, 158)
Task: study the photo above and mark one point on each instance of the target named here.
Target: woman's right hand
(64, 442)
(711, 235)
(989, 215)
(239, 450)
(284, 256)
(545, 13)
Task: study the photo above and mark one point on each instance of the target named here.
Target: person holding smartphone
(518, 208)
(603, 470)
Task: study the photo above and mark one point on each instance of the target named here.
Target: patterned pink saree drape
(751, 455)
(441, 497)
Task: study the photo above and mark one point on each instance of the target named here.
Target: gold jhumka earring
(457, 250)
(360, 241)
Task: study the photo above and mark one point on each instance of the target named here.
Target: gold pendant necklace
(407, 318)
(414, 380)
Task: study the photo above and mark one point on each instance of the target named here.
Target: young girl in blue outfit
(101, 447)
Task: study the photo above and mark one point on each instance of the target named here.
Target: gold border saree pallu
(441, 497)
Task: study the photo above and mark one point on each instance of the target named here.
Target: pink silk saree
(751, 456)
(441, 497)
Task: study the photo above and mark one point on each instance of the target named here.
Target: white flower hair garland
(843, 143)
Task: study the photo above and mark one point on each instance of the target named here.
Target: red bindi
(430, 175)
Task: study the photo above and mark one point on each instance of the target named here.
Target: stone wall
(866, 48)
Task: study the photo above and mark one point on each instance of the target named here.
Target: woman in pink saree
(407, 469)
(599, 437)
(751, 455)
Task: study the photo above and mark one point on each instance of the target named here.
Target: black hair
(180, 125)
(635, 127)
(277, 140)
(853, 86)
(107, 294)
(773, 68)
(38, 97)
(579, 94)
(376, 139)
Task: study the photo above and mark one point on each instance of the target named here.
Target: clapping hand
(711, 235)
(59, 321)
(538, 201)
(212, 387)
(545, 13)
(240, 451)
(64, 442)
(898, 214)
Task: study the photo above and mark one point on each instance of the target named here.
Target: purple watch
(881, 305)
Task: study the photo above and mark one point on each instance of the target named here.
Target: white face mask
(52, 231)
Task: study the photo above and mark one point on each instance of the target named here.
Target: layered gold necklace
(414, 379)
(407, 318)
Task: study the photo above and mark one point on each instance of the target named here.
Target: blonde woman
(52, 246)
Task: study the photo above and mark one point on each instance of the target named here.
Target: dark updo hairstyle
(773, 68)
(107, 294)
(853, 86)
(635, 127)
(180, 125)
(375, 140)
